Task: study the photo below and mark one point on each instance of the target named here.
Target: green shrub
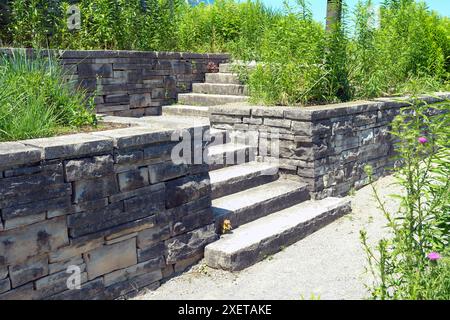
(401, 264)
(36, 101)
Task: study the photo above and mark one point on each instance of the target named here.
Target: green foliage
(36, 101)
(368, 54)
(399, 263)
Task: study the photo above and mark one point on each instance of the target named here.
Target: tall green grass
(36, 101)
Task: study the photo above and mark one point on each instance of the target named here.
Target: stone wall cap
(69, 146)
(136, 136)
(15, 153)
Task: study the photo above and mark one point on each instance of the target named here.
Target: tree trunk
(334, 13)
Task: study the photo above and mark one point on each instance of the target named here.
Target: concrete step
(229, 154)
(251, 204)
(200, 99)
(263, 237)
(222, 78)
(220, 88)
(240, 177)
(184, 110)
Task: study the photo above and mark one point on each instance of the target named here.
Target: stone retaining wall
(325, 146)
(136, 83)
(111, 203)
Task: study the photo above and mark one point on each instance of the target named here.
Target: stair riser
(208, 88)
(226, 78)
(249, 256)
(260, 209)
(236, 185)
(180, 111)
(208, 101)
(231, 159)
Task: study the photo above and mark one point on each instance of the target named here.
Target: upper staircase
(219, 88)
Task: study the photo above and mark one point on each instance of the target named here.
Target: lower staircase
(267, 211)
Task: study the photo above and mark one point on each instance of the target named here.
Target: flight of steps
(267, 211)
(219, 88)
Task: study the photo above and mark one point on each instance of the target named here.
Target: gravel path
(328, 264)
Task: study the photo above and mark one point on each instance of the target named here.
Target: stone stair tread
(248, 198)
(220, 88)
(226, 148)
(255, 240)
(185, 110)
(192, 94)
(245, 169)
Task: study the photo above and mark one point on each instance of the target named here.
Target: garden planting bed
(325, 146)
(111, 203)
(134, 83)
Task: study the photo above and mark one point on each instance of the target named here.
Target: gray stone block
(153, 235)
(18, 245)
(153, 266)
(92, 189)
(106, 259)
(87, 168)
(166, 171)
(89, 291)
(71, 146)
(95, 70)
(29, 270)
(186, 189)
(5, 285)
(189, 244)
(137, 136)
(133, 179)
(13, 154)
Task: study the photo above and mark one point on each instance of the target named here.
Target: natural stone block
(106, 259)
(117, 98)
(90, 290)
(151, 252)
(140, 100)
(57, 282)
(122, 238)
(189, 244)
(13, 154)
(88, 168)
(147, 204)
(186, 189)
(123, 157)
(192, 220)
(35, 208)
(281, 123)
(166, 171)
(25, 292)
(161, 151)
(71, 146)
(5, 285)
(18, 245)
(3, 271)
(182, 265)
(137, 192)
(28, 271)
(153, 235)
(75, 250)
(152, 266)
(23, 221)
(92, 70)
(62, 266)
(123, 288)
(137, 136)
(138, 225)
(92, 189)
(133, 179)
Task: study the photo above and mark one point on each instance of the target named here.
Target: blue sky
(319, 6)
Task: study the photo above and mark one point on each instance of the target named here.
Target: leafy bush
(36, 101)
(414, 263)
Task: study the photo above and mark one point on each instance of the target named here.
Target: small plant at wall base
(37, 101)
(414, 261)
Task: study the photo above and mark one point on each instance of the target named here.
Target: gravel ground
(328, 264)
